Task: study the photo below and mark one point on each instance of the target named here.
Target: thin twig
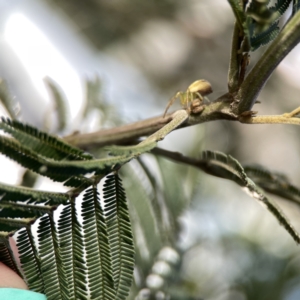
(287, 118)
(216, 110)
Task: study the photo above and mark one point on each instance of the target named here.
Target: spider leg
(171, 101)
(199, 96)
(189, 98)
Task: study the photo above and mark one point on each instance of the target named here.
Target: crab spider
(194, 92)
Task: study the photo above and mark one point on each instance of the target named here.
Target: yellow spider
(193, 95)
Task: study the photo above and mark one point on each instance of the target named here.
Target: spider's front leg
(171, 101)
(184, 99)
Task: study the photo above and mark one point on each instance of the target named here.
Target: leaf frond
(50, 262)
(274, 183)
(30, 196)
(41, 142)
(224, 166)
(63, 170)
(264, 37)
(120, 234)
(15, 223)
(66, 238)
(29, 261)
(280, 8)
(97, 249)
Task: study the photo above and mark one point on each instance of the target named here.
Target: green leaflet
(274, 183)
(258, 21)
(280, 7)
(56, 170)
(264, 37)
(98, 253)
(29, 261)
(13, 194)
(72, 259)
(120, 235)
(80, 256)
(38, 160)
(41, 142)
(50, 260)
(69, 235)
(224, 166)
(12, 224)
(73, 252)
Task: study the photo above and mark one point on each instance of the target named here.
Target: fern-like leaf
(50, 262)
(29, 261)
(79, 267)
(12, 224)
(63, 170)
(98, 256)
(259, 11)
(66, 246)
(274, 183)
(120, 235)
(280, 8)
(264, 37)
(224, 166)
(30, 196)
(41, 142)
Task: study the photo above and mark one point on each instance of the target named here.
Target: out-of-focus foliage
(102, 22)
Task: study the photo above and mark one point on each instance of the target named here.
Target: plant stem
(287, 39)
(234, 62)
(126, 134)
(287, 118)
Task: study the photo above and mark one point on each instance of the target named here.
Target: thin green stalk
(234, 63)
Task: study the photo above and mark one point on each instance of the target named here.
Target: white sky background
(40, 58)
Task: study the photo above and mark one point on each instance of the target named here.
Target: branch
(234, 62)
(287, 39)
(216, 110)
(287, 118)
